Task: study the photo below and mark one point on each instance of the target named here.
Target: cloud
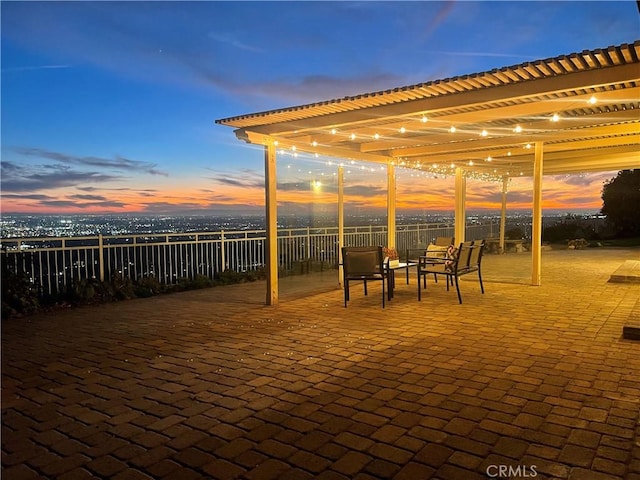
(481, 54)
(119, 163)
(238, 182)
(84, 205)
(230, 39)
(17, 178)
(320, 86)
(586, 180)
(365, 190)
(34, 196)
(88, 197)
(309, 88)
(35, 67)
(148, 192)
(194, 208)
(245, 178)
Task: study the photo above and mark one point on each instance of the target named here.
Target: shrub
(229, 277)
(515, 233)
(81, 291)
(200, 281)
(19, 295)
(563, 232)
(147, 287)
(121, 288)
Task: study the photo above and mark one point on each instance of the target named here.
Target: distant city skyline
(20, 226)
(109, 107)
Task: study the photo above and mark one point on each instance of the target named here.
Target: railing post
(223, 257)
(101, 257)
(308, 244)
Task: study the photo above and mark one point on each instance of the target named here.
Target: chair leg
(419, 290)
(458, 288)
(365, 288)
(346, 292)
(382, 292)
(480, 278)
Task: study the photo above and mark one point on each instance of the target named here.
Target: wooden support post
(340, 221)
(460, 209)
(503, 213)
(271, 247)
(391, 205)
(536, 221)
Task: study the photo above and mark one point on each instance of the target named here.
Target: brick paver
(214, 384)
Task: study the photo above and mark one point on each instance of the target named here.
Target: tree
(621, 202)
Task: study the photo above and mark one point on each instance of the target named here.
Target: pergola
(573, 113)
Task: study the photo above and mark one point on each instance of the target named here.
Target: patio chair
(362, 264)
(443, 241)
(436, 253)
(468, 259)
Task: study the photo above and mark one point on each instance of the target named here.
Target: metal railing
(56, 263)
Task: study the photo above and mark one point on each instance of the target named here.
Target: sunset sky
(109, 107)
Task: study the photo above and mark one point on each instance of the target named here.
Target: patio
(214, 384)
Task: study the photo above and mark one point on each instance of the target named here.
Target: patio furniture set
(369, 264)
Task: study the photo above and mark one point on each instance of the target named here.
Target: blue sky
(110, 106)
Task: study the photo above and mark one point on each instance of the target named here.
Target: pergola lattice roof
(595, 94)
